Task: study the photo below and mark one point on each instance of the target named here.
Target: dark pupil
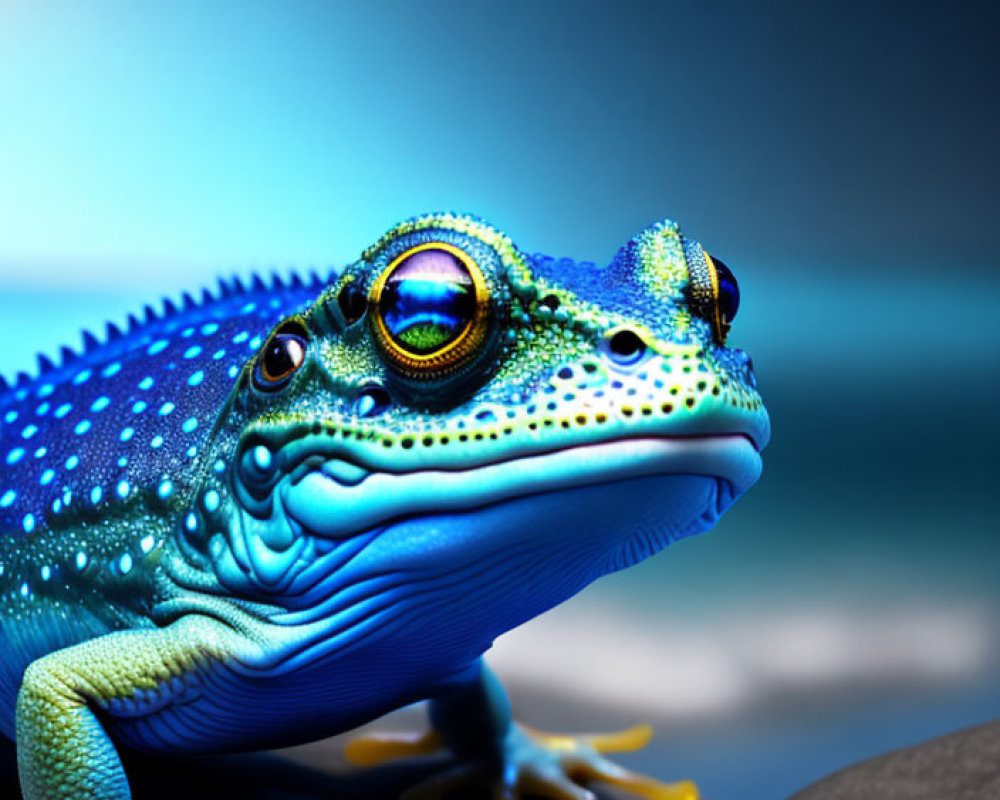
(352, 303)
(428, 301)
(282, 355)
(729, 291)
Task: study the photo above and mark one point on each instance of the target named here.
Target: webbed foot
(529, 763)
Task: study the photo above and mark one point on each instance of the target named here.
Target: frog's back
(97, 454)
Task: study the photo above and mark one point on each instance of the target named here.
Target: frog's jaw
(311, 520)
(320, 501)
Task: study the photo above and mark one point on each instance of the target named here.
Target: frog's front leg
(475, 722)
(63, 751)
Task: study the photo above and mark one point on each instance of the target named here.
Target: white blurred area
(726, 665)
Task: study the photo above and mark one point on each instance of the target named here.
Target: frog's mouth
(335, 499)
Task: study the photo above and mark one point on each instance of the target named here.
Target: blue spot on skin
(81, 560)
(211, 500)
(147, 543)
(63, 410)
(100, 404)
(72, 462)
(111, 369)
(165, 489)
(125, 564)
(191, 522)
(166, 408)
(241, 337)
(82, 377)
(187, 333)
(196, 378)
(157, 442)
(157, 347)
(256, 342)
(82, 427)
(8, 498)
(9, 417)
(40, 452)
(123, 461)
(95, 495)
(248, 308)
(192, 451)
(126, 434)
(209, 328)
(15, 455)
(28, 523)
(25, 589)
(189, 425)
(146, 383)
(43, 409)
(29, 431)
(138, 407)
(47, 477)
(45, 391)
(234, 371)
(45, 572)
(56, 506)
(218, 355)
(122, 489)
(192, 352)
(219, 466)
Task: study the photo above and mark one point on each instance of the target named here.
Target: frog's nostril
(624, 346)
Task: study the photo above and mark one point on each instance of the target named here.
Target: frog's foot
(531, 763)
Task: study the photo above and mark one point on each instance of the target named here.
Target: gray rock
(961, 766)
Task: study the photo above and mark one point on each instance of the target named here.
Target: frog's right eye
(281, 356)
(715, 295)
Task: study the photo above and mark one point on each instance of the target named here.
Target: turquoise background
(840, 157)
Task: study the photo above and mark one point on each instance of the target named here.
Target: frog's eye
(719, 300)
(281, 356)
(430, 308)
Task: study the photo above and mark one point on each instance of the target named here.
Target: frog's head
(453, 412)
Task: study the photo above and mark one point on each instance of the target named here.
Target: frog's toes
(553, 765)
(529, 762)
(378, 748)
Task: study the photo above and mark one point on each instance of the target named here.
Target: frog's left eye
(280, 357)
(431, 308)
(719, 300)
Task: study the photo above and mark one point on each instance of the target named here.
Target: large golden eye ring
(431, 308)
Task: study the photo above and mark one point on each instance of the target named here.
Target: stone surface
(961, 766)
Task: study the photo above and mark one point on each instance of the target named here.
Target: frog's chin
(326, 505)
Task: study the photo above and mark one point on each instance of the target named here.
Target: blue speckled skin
(123, 420)
(196, 557)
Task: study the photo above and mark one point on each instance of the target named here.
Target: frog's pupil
(428, 301)
(729, 291)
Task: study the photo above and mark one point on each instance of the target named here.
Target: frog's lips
(337, 499)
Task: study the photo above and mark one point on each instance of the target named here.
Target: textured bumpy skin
(255, 519)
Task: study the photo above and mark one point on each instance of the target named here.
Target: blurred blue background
(841, 157)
